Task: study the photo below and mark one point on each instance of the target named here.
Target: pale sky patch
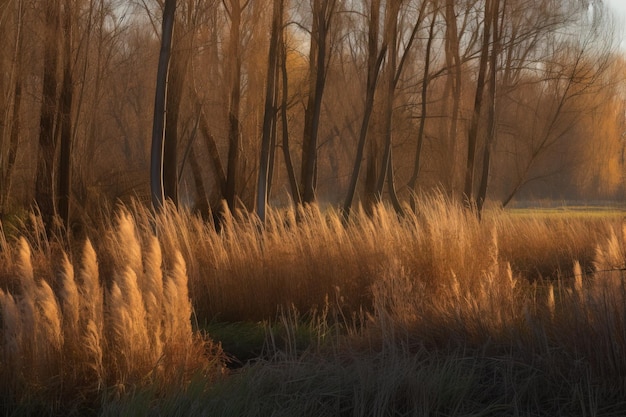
(619, 7)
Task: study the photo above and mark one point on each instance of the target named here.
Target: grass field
(434, 313)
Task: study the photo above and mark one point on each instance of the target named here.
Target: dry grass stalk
(76, 337)
(70, 302)
(437, 278)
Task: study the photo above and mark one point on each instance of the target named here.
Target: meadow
(434, 313)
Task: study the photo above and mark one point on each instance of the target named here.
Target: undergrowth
(433, 313)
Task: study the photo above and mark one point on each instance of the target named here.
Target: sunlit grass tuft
(94, 336)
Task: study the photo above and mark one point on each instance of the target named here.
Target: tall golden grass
(302, 255)
(511, 315)
(116, 311)
(91, 335)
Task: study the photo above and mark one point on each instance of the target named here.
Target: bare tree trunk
(472, 137)
(160, 98)
(391, 187)
(179, 64)
(170, 146)
(306, 158)
(269, 117)
(323, 11)
(79, 150)
(14, 132)
(65, 114)
(44, 184)
(234, 131)
(491, 117)
(273, 136)
(375, 58)
(291, 172)
(424, 108)
(391, 28)
(202, 204)
(217, 167)
(453, 62)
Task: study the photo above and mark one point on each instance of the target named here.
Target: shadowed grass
(434, 313)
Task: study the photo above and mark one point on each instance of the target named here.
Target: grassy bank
(434, 313)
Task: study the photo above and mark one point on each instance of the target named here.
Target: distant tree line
(253, 103)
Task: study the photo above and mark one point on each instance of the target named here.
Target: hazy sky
(619, 6)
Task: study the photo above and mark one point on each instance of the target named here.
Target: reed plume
(78, 337)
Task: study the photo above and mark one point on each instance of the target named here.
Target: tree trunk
(371, 175)
(291, 172)
(391, 187)
(65, 114)
(472, 137)
(217, 167)
(179, 63)
(160, 98)
(15, 125)
(44, 184)
(391, 28)
(234, 131)
(273, 138)
(322, 15)
(375, 58)
(424, 108)
(453, 61)
(269, 116)
(202, 205)
(491, 117)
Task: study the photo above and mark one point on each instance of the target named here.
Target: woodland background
(338, 102)
(320, 109)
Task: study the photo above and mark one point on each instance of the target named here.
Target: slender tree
(491, 116)
(454, 81)
(375, 56)
(7, 161)
(233, 173)
(472, 137)
(291, 172)
(423, 106)
(323, 11)
(269, 117)
(160, 99)
(44, 184)
(210, 144)
(65, 118)
(391, 28)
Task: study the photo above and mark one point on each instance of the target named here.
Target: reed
(93, 336)
(436, 293)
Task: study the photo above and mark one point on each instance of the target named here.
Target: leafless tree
(160, 99)
(10, 131)
(322, 14)
(270, 112)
